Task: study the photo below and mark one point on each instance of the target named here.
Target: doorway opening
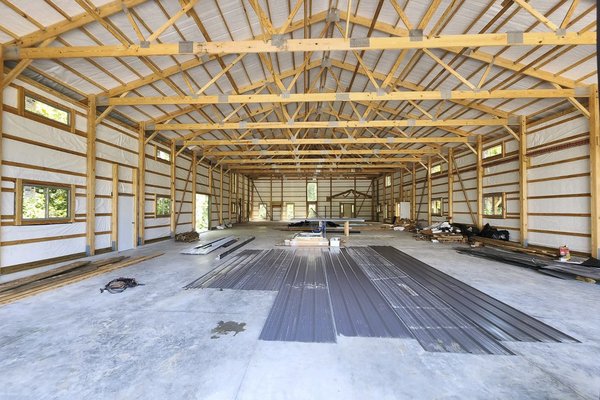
(202, 212)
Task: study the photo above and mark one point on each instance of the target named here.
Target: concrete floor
(154, 341)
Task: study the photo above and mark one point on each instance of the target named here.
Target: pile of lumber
(405, 224)
(65, 275)
(187, 237)
(512, 246)
(441, 237)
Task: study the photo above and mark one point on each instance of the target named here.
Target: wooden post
(429, 213)
(479, 181)
(595, 170)
(401, 187)
(221, 195)
(136, 213)
(229, 174)
(17, 212)
(354, 203)
(271, 197)
(450, 185)
(194, 182)
(523, 192)
(114, 215)
(210, 191)
(413, 209)
(173, 190)
(330, 199)
(347, 228)
(90, 194)
(141, 178)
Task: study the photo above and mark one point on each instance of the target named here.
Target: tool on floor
(120, 285)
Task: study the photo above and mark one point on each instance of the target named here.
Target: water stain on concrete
(223, 328)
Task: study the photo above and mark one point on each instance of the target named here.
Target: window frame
(385, 182)
(436, 172)
(19, 192)
(308, 204)
(42, 118)
(316, 192)
(162, 196)
(493, 196)
(502, 148)
(441, 200)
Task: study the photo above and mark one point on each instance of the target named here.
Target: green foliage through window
(46, 110)
(436, 207)
(436, 169)
(163, 206)
(493, 205)
(311, 191)
(41, 202)
(262, 211)
(290, 211)
(492, 151)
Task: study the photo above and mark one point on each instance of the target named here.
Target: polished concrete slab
(154, 341)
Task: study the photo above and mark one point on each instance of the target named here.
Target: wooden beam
(538, 15)
(20, 67)
(595, 170)
(313, 141)
(194, 187)
(141, 198)
(76, 21)
(136, 215)
(266, 153)
(347, 96)
(14, 52)
(221, 195)
(171, 21)
(413, 209)
(173, 189)
(374, 160)
(479, 156)
(450, 185)
(114, 212)
(90, 193)
(317, 166)
(17, 211)
(523, 192)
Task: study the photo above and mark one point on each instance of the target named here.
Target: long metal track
(302, 312)
(498, 319)
(358, 308)
(435, 324)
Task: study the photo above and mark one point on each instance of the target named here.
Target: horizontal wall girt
(305, 45)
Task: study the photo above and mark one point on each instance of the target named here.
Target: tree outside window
(494, 205)
(163, 206)
(40, 202)
(311, 191)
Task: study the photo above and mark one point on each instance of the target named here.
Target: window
(493, 205)
(47, 109)
(234, 183)
(163, 155)
(388, 180)
(262, 211)
(163, 206)
(436, 207)
(378, 208)
(311, 191)
(312, 210)
(41, 202)
(289, 211)
(436, 169)
(493, 151)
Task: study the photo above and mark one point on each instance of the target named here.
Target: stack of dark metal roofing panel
(500, 320)
(238, 261)
(302, 311)
(358, 308)
(435, 324)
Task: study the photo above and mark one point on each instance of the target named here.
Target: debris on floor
(211, 246)
(224, 226)
(223, 328)
(442, 232)
(187, 237)
(489, 231)
(120, 285)
(544, 265)
(405, 224)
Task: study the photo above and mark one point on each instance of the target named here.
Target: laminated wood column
(141, 187)
(194, 182)
(523, 192)
(401, 187)
(210, 192)
(429, 215)
(17, 212)
(479, 181)
(413, 209)
(595, 170)
(330, 199)
(354, 203)
(114, 214)
(90, 194)
(230, 194)
(173, 191)
(136, 195)
(450, 185)
(220, 195)
(271, 197)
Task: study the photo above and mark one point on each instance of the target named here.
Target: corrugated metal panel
(236, 262)
(436, 325)
(358, 308)
(302, 311)
(498, 319)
